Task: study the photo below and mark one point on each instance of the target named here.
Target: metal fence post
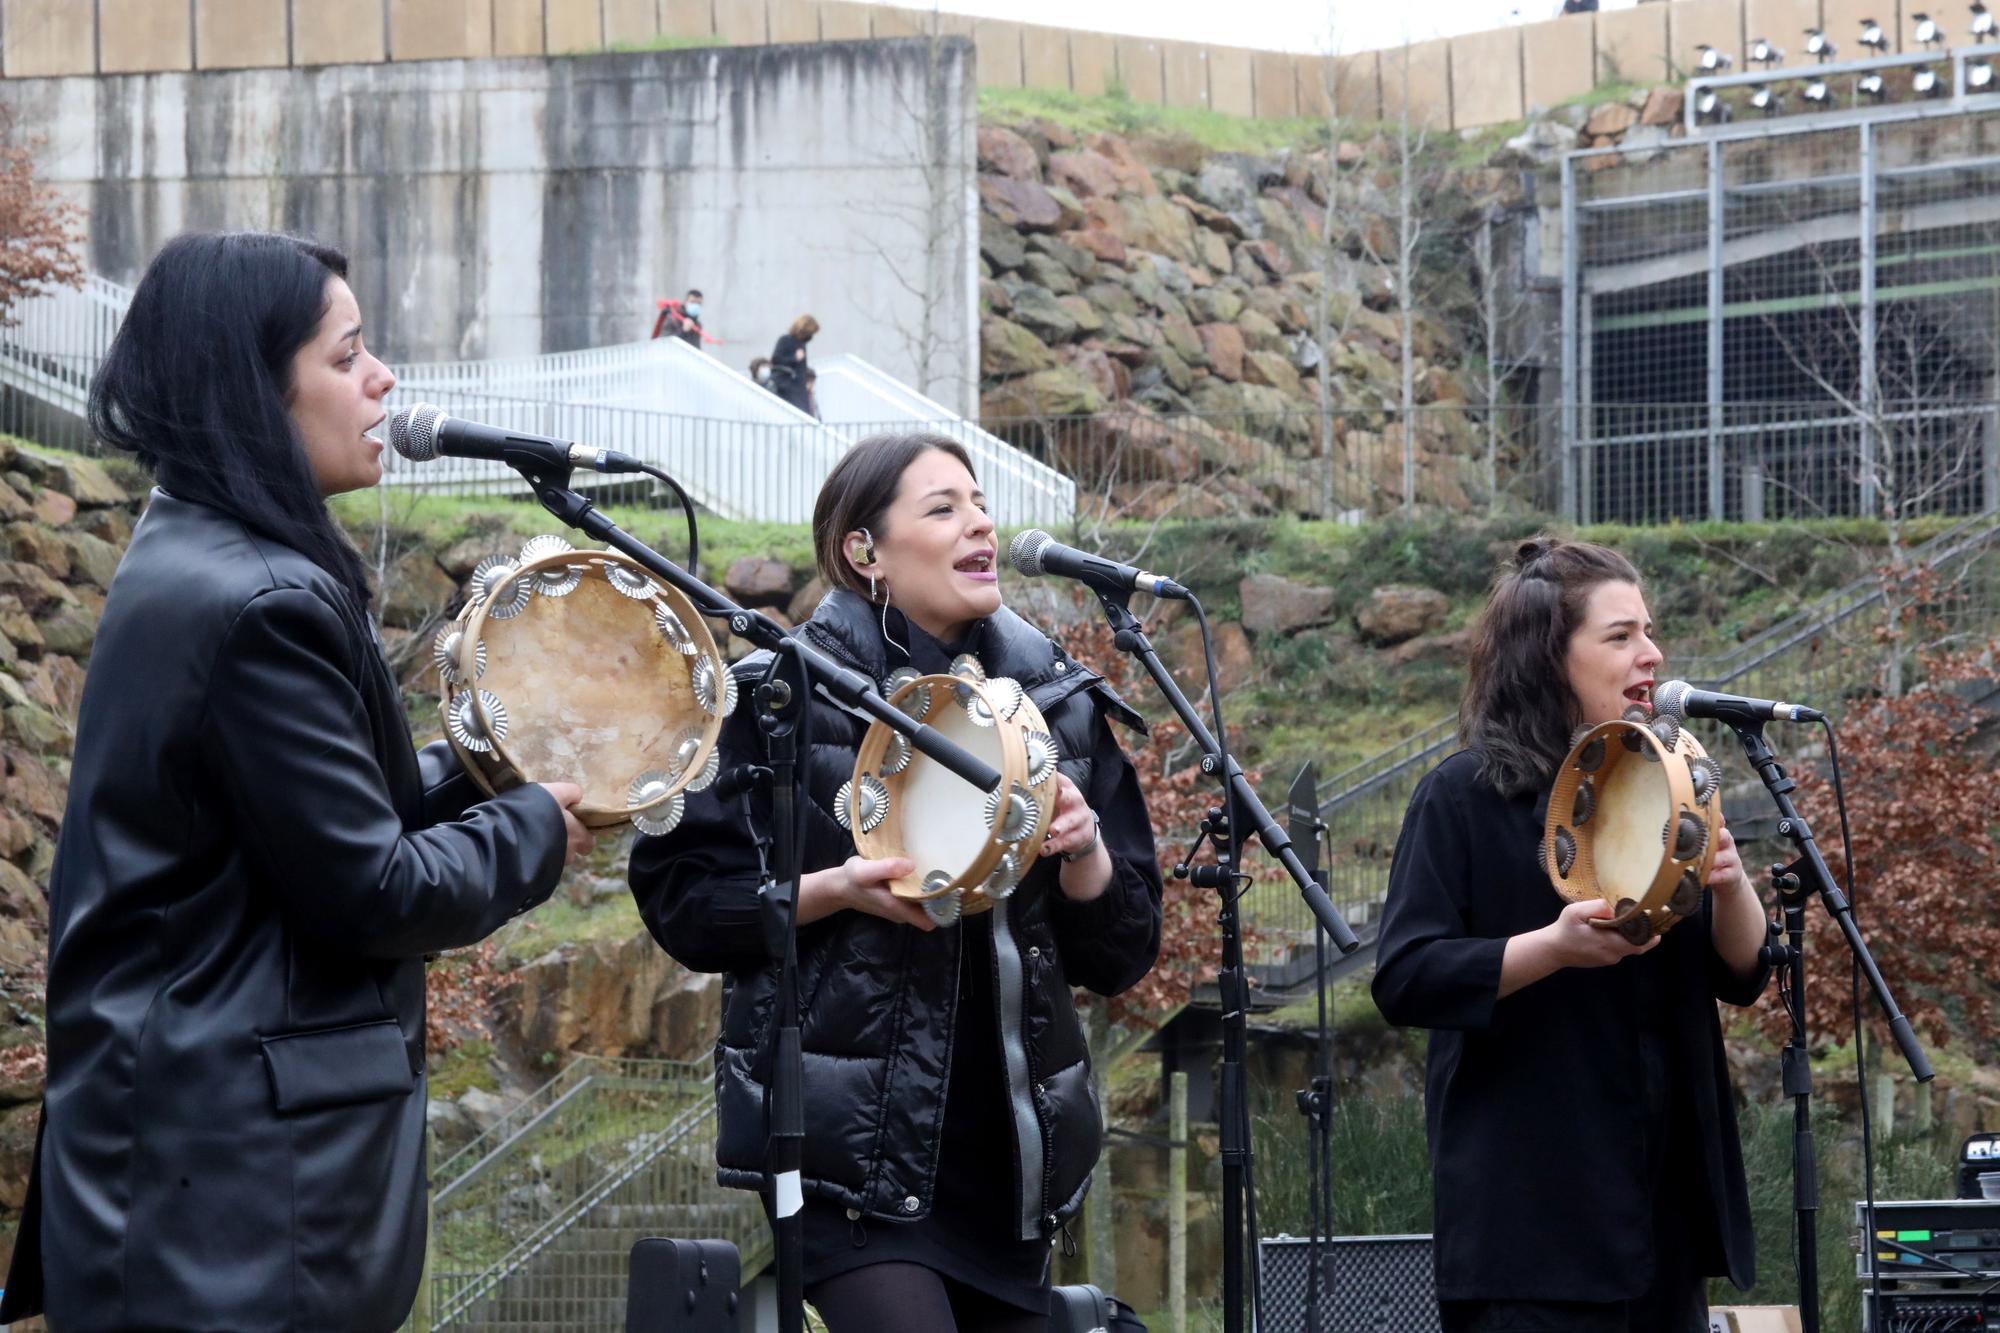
(1177, 1132)
(1715, 224)
(1870, 444)
(1566, 428)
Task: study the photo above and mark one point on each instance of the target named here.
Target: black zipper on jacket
(1007, 994)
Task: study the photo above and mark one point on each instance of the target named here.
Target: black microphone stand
(1315, 1100)
(1229, 836)
(780, 705)
(1795, 884)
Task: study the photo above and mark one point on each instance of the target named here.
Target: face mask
(694, 309)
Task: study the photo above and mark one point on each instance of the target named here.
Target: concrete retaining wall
(503, 207)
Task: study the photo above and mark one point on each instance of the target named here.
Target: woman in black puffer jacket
(947, 1081)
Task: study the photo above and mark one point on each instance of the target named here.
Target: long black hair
(859, 491)
(198, 377)
(1519, 710)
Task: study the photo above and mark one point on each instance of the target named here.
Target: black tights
(909, 1298)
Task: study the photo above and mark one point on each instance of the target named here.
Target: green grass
(1116, 112)
(465, 1066)
(562, 921)
(666, 43)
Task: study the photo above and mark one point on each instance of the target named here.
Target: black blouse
(1556, 1114)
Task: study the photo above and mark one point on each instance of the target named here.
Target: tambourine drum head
(1626, 827)
(595, 695)
(942, 827)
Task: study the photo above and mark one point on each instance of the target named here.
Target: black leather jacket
(251, 866)
(879, 997)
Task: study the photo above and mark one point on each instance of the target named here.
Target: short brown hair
(804, 327)
(1519, 710)
(860, 489)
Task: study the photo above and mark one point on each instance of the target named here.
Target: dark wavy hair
(1519, 710)
(860, 489)
(198, 379)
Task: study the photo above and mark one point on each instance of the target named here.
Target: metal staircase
(741, 451)
(532, 1221)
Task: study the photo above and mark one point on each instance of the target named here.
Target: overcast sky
(1286, 25)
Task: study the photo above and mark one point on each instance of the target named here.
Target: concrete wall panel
(1558, 60)
(1310, 75)
(687, 18)
(1232, 87)
(138, 35)
(1044, 56)
(233, 34)
(792, 20)
(1093, 63)
(440, 29)
(1186, 67)
(1632, 44)
(1139, 70)
(517, 27)
(1718, 23)
(893, 22)
(574, 26)
(1277, 85)
(844, 20)
(49, 37)
(1486, 78)
(1358, 85)
(634, 22)
(1783, 23)
(999, 44)
(323, 35)
(741, 22)
(1420, 72)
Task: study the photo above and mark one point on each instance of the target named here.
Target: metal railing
(533, 1220)
(1804, 657)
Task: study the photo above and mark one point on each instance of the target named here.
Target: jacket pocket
(363, 1062)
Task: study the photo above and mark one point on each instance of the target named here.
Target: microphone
(423, 432)
(1679, 700)
(1034, 553)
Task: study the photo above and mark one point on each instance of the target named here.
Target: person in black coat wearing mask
(790, 374)
(254, 859)
(1582, 1125)
(951, 1125)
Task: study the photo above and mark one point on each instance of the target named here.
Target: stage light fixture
(1979, 76)
(1708, 105)
(1818, 47)
(1982, 22)
(1925, 82)
(1926, 30)
(1766, 101)
(1814, 91)
(1872, 36)
(1763, 53)
(1870, 85)
(1711, 61)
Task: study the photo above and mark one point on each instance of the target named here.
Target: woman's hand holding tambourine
(578, 839)
(1573, 940)
(1727, 874)
(1073, 835)
(861, 884)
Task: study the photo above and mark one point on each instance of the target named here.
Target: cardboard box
(1753, 1319)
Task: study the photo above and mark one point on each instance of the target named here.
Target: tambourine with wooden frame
(969, 848)
(1633, 819)
(578, 666)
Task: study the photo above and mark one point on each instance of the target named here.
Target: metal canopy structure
(1789, 316)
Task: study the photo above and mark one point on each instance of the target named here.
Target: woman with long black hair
(951, 1125)
(254, 859)
(1582, 1125)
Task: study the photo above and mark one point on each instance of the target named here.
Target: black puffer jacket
(879, 997)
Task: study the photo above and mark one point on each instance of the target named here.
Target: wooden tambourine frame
(1632, 820)
(920, 791)
(591, 684)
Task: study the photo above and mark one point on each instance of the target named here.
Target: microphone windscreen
(1025, 554)
(413, 432)
(1670, 699)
